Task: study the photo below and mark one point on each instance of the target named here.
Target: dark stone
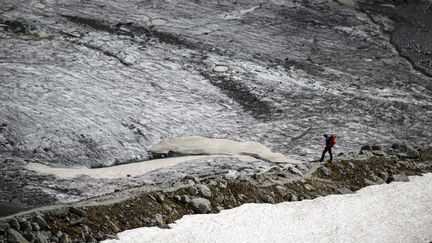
(366, 148)
(14, 224)
(326, 171)
(160, 198)
(376, 147)
(177, 198)
(30, 236)
(77, 211)
(185, 199)
(58, 234)
(4, 227)
(90, 239)
(55, 239)
(193, 191)
(26, 226)
(41, 222)
(64, 238)
(291, 197)
(164, 226)
(268, 199)
(383, 175)
(35, 227)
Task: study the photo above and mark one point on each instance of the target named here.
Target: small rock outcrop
(200, 205)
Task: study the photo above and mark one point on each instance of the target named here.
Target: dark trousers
(325, 151)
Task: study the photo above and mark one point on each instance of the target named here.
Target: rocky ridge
(102, 218)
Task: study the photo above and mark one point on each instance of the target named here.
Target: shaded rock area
(408, 23)
(101, 218)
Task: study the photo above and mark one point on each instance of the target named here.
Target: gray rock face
(200, 205)
(409, 29)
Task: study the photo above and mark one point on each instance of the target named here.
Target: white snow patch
(396, 212)
(209, 146)
(124, 170)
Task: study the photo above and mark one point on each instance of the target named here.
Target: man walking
(330, 142)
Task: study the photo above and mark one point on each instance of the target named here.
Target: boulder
(402, 177)
(281, 190)
(193, 191)
(191, 178)
(177, 198)
(200, 205)
(220, 199)
(77, 211)
(308, 187)
(25, 226)
(159, 219)
(376, 147)
(326, 171)
(64, 239)
(54, 239)
(29, 236)
(268, 199)
(35, 227)
(41, 222)
(185, 199)
(302, 167)
(405, 151)
(383, 175)
(365, 148)
(90, 239)
(41, 238)
(291, 197)
(15, 237)
(294, 170)
(222, 183)
(160, 198)
(204, 191)
(14, 224)
(378, 180)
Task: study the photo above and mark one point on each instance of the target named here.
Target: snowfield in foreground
(396, 212)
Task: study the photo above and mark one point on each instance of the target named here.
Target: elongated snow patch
(196, 145)
(121, 171)
(194, 148)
